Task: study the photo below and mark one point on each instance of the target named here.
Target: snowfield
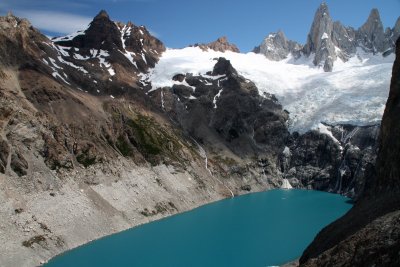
(355, 92)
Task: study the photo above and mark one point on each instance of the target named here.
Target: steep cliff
(368, 235)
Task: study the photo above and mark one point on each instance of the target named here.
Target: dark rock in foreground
(368, 235)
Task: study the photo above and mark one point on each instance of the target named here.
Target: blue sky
(179, 23)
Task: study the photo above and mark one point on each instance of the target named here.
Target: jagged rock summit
(371, 35)
(329, 40)
(220, 45)
(131, 46)
(277, 47)
(319, 40)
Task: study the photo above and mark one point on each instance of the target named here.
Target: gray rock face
(277, 47)
(319, 162)
(343, 38)
(371, 35)
(319, 39)
(327, 40)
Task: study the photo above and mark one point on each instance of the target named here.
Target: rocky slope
(329, 40)
(368, 235)
(87, 150)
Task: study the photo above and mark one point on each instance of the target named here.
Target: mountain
(89, 149)
(106, 129)
(108, 50)
(329, 40)
(368, 235)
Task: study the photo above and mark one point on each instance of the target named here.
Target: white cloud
(53, 21)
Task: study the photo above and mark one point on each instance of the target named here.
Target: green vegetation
(147, 140)
(123, 146)
(85, 159)
(157, 143)
(151, 139)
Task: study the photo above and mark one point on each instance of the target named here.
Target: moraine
(260, 229)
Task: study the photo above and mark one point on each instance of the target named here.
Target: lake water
(260, 229)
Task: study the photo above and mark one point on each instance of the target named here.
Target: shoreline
(291, 263)
(294, 263)
(50, 223)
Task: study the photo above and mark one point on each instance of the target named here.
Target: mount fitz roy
(329, 40)
(103, 129)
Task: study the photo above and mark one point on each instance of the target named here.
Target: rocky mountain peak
(373, 23)
(371, 34)
(102, 15)
(120, 49)
(222, 40)
(11, 21)
(277, 47)
(323, 9)
(220, 45)
(374, 17)
(19, 40)
(328, 40)
(102, 33)
(319, 40)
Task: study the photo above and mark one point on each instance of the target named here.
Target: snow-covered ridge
(354, 92)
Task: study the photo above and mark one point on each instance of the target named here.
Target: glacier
(355, 92)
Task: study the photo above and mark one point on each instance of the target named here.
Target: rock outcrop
(219, 45)
(225, 113)
(368, 235)
(332, 158)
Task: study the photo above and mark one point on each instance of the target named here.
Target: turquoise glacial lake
(260, 229)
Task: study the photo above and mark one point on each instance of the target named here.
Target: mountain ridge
(329, 40)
